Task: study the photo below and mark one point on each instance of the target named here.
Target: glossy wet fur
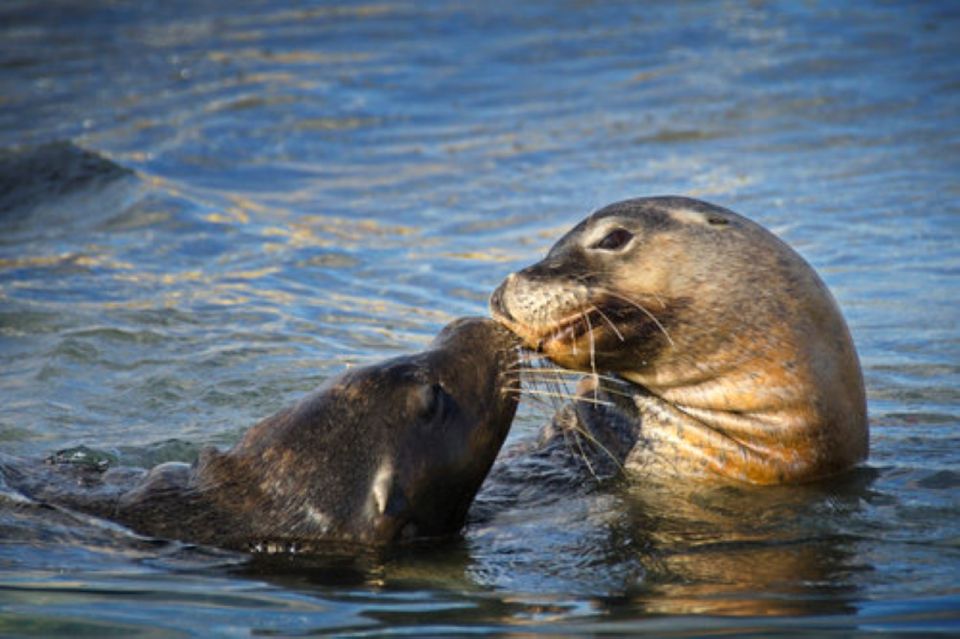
(395, 450)
(741, 362)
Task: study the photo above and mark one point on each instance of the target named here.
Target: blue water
(320, 185)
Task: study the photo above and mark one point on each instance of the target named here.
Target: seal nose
(497, 306)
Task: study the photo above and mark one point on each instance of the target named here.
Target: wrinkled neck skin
(752, 420)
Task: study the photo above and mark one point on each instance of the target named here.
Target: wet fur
(740, 361)
(387, 452)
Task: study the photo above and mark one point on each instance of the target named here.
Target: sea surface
(208, 208)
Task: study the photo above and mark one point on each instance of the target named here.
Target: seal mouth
(570, 328)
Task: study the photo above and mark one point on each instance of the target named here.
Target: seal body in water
(390, 451)
(712, 339)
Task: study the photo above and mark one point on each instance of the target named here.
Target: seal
(392, 451)
(734, 357)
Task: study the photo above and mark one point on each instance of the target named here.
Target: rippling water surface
(288, 189)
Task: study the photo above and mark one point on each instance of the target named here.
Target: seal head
(740, 362)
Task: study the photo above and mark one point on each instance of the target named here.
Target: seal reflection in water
(724, 352)
(385, 452)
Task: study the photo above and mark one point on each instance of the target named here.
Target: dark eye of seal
(615, 239)
(433, 400)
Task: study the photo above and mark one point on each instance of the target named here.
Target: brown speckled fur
(742, 363)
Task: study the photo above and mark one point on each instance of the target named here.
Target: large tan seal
(737, 360)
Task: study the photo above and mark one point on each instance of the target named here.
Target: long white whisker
(645, 312)
(593, 440)
(612, 325)
(593, 356)
(530, 371)
(583, 453)
(555, 395)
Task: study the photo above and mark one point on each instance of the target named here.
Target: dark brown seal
(737, 359)
(390, 451)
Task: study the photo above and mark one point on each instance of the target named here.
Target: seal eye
(432, 400)
(615, 239)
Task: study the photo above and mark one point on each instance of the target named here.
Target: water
(316, 186)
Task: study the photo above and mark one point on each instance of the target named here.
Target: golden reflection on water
(742, 551)
(287, 57)
(243, 205)
(492, 255)
(747, 582)
(68, 260)
(282, 15)
(333, 232)
(378, 308)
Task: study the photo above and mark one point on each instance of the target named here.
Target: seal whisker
(547, 402)
(558, 395)
(566, 442)
(643, 310)
(579, 452)
(545, 370)
(583, 453)
(609, 322)
(553, 376)
(593, 355)
(557, 383)
(578, 431)
(550, 383)
(606, 389)
(554, 371)
(594, 441)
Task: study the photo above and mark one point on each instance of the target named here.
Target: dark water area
(208, 208)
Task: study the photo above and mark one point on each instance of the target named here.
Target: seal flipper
(90, 489)
(599, 427)
(170, 478)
